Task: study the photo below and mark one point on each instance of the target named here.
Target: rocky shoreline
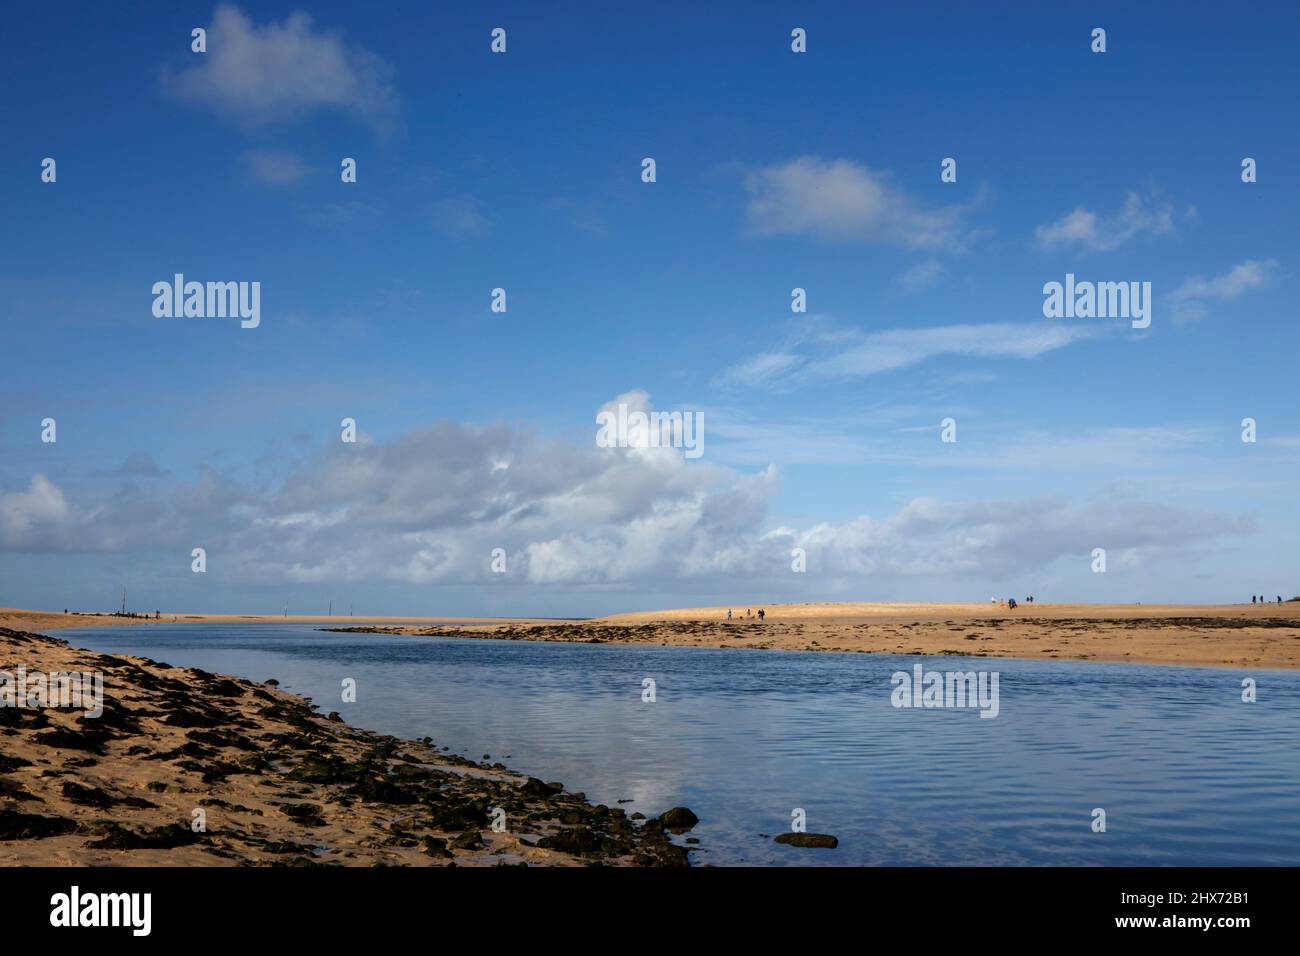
(184, 767)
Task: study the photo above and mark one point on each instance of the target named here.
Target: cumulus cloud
(38, 519)
(1190, 300)
(426, 509)
(257, 74)
(1086, 230)
(835, 352)
(963, 538)
(842, 201)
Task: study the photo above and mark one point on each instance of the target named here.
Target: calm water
(1187, 773)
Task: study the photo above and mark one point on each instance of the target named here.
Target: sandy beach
(1202, 635)
(274, 781)
(1256, 636)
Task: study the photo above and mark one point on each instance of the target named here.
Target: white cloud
(38, 519)
(842, 201)
(427, 508)
(260, 74)
(1086, 230)
(846, 353)
(994, 537)
(1189, 299)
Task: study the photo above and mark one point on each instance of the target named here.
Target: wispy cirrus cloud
(257, 74)
(843, 201)
(826, 350)
(1190, 300)
(1089, 231)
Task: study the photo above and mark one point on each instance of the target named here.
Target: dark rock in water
(814, 840)
(334, 716)
(679, 818)
(271, 682)
(469, 840)
(31, 826)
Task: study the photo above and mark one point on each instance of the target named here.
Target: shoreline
(1230, 636)
(272, 781)
(1226, 636)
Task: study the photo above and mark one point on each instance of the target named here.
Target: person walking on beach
(760, 615)
(728, 614)
(1252, 599)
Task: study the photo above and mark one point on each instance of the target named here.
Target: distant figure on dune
(1279, 599)
(760, 615)
(728, 614)
(1252, 599)
(1011, 603)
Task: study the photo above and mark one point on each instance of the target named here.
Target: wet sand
(277, 783)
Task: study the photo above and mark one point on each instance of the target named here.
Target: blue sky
(775, 170)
